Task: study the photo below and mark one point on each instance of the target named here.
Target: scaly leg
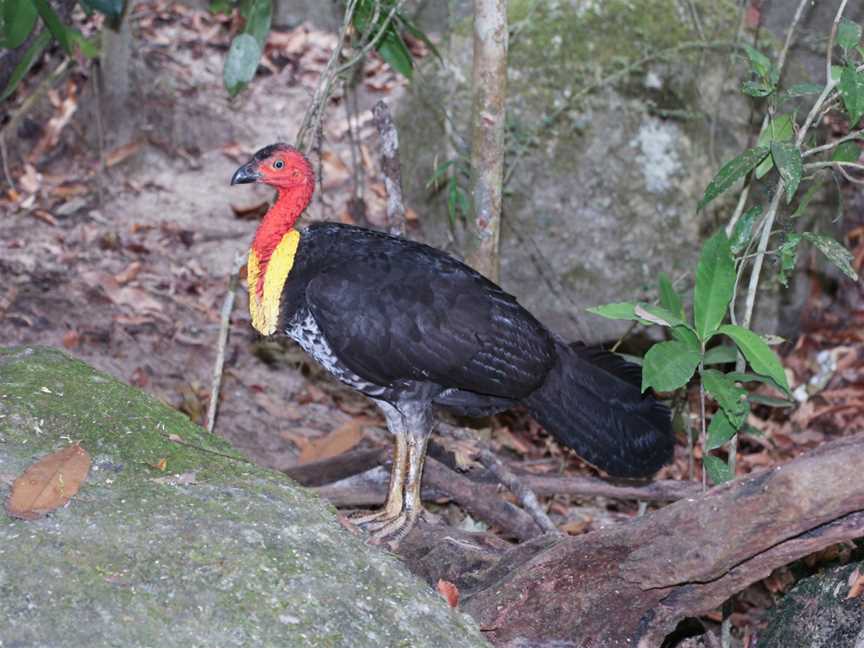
(395, 497)
(419, 426)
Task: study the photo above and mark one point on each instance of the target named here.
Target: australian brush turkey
(413, 328)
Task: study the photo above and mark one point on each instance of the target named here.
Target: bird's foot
(371, 521)
(390, 532)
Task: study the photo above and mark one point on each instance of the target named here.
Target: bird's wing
(409, 312)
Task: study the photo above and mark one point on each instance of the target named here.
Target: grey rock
(213, 551)
(816, 614)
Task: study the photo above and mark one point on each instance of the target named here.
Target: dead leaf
(340, 440)
(117, 155)
(449, 592)
(129, 273)
(160, 465)
(71, 339)
(576, 527)
(49, 483)
(278, 409)
(856, 584)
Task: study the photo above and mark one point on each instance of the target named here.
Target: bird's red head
(279, 165)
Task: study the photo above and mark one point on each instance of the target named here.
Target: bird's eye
(278, 164)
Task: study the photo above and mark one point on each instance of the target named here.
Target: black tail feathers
(591, 402)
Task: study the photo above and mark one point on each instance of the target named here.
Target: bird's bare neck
(279, 220)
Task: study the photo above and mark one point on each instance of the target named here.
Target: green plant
(20, 18)
(785, 145)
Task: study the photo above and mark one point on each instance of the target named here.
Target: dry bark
(390, 168)
(630, 585)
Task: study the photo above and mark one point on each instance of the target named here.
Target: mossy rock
(210, 551)
(816, 613)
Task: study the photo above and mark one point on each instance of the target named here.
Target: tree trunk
(115, 83)
(487, 134)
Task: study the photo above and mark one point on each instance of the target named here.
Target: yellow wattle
(264, 309)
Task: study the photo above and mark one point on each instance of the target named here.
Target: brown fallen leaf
(117, 155)
(449, 592)
(160, 465)
(49, 483)
(856, 584)
(129, 273)
(340, 440)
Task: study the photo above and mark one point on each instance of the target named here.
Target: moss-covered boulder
(818, 613)
(210, 551)
(619, 114)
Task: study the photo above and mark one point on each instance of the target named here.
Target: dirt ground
(132, 278)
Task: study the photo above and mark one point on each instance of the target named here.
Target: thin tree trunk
(487, 134)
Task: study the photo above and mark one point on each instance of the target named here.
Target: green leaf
(757, 88)
(395, 53)
(733, 171)
(759, 63)
(686, 335)
(668, 366)
(804, 89)
(722, 354)
(241, 63)
(669, 298)
(731, 398)
(112, 9)
(760, 356)
(846, 152)
(19, 17)
(33, 51)
(418, 33)
(616, 311)
(848, 34)
(719, 432)
(658, 315)
(835, 252)
(715, 281)
(52, 21)
(787, 159)
(743, 229)
(258, 15)
(805, 200)
(717, 469)
(770, 401)
(778, 130)
(851, 89)
(788, 254)
(746, 376)
(87, 47)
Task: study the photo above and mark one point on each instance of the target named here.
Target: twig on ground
(100, 131)
(517, 486)
(347, 464)
(390, 167)
(222, 341)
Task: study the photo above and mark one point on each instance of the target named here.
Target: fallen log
(631, 584)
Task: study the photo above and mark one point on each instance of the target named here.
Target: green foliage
(733, 171)
(717, 469)
(715, 281)
(787, 159)
(719, 431)
(454, 176)
(19, 18)
(834, 252)
(848, 35)
(846, 152)
(779, 129)
(33, 51)
(760, 356)
(851, 90)
(731, 398)
(241, 64)
(743, 229)
(112, 9)
(669, 365)
(53, 23)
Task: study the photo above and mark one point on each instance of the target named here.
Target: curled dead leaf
(449, 592)
(49, 483)
(340, 440)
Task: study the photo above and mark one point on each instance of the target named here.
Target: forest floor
(132, 278)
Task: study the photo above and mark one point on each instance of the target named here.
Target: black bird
(413, 328)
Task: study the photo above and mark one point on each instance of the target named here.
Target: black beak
(246, 174)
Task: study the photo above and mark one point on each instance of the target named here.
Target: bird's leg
(395, 498)
(419, 431)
